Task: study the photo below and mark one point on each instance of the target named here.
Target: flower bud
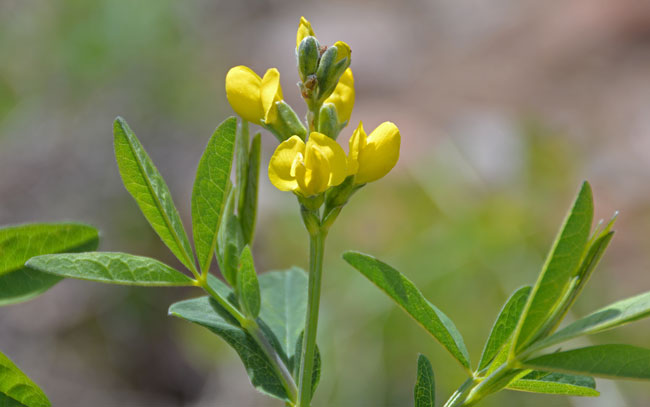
(328, 122)
(308, 55)
(333, 63)
(287, 123)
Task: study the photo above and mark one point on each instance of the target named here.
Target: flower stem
(316, 251)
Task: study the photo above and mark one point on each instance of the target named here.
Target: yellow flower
(304, 30)
(252, 97)
(371, 157)
(308, 169)
(343, 96)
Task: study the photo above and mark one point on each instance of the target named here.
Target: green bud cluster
(320, 68)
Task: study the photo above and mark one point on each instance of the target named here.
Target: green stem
(203, 283)
(476, 389)
(458, 398)
(251, 326)
(316, 251)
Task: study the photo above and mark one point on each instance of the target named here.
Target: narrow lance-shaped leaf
(111, 268)
(425, 389)
(17, 386)
(504, 325)
(556, 383)
(146, 185)
(611, 316)
(409, 298)
(559, 268)
(610, 361)
(248, 288)
(209, 192)
(594, 253)
(211, 315)
(20, 243)
(248, 207)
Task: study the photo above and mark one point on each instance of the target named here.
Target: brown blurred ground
(504, 107)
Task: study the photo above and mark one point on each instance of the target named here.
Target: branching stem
(252, 327)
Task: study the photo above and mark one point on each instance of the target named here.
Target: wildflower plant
(271, 319)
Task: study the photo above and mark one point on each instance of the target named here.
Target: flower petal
(282, 161)
(334, 154)
(343, 96)
(343, 49)
(304, 30)
(357, 143)
(380, 154)
(316, 177)
(270, 93)
(243, 92)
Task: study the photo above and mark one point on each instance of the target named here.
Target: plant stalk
(316, 251)
(458, 398)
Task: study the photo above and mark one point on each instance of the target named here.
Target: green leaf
(576, 380)
(111, 268)
(19, 243)
(209, 192)
(248, 208)
(146, 185)
(611, 361)
(284, 305)
(17, 386)
(6, 401)
(248, 288)
(595, 252)
(209, 314)
(425, 390)
(284, 308)
(504, 325)
(233, 246)
(411, 300)
(611, 316)
(556, 383)
(560, 267)
(241, 150)
(223, 234)
(295, 363)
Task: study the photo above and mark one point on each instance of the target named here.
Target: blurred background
(504, 108)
